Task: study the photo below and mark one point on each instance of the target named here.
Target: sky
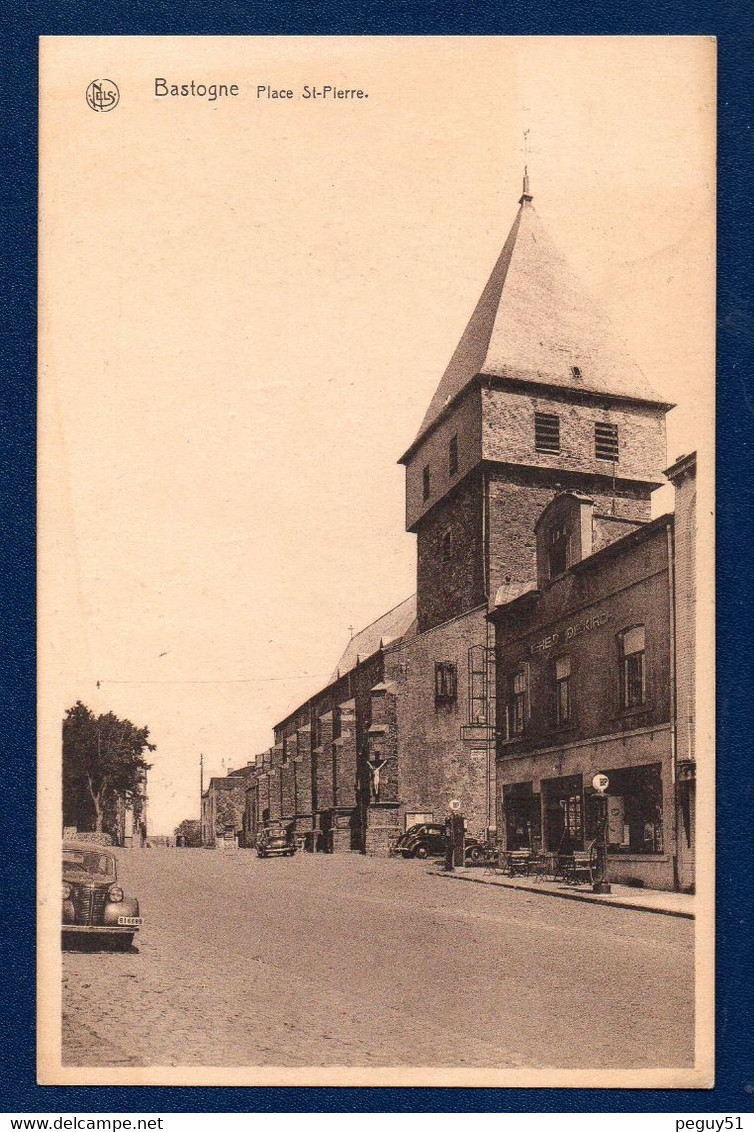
(246, 306)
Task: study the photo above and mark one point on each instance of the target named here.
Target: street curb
(582, 898)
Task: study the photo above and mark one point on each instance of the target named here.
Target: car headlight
(115, 894)
(66, 891)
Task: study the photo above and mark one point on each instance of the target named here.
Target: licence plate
(130, 921)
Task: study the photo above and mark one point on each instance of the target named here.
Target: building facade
(543, 442)
(223, 804)
(682, 475)
(585, 686)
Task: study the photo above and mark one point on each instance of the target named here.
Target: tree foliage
(191, 832)
(103, 760)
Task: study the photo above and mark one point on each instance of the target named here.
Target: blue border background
(733, 25)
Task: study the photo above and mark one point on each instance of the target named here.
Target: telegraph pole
(201, 797)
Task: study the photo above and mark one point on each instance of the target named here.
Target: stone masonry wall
(382, 825)
(435, 763)
(515, 504)
(447, 588)
(302, 769)
(508, 434)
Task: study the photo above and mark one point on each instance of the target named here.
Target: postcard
(376, 656)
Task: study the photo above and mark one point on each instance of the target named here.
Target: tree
(103, 760)
(190, 831)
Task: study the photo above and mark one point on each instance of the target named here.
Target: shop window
(518, 700)
(606, 441)
(564, 813)
(478, 684)
(446, 546)
(563, 707)
(425, 483)
(522, 816)
(634, 810)
(633, 681)
(558, 549)
(446, 684)
(547, 433)
(453, 456)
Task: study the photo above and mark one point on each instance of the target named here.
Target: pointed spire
(535, 322)
(526, 195)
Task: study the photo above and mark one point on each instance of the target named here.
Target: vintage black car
(429, 840)
(94, 904)
(275, 839)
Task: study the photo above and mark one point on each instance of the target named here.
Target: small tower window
(576, 371)
(547, 433)
(446, 686)
(447, 546)
(425, 482)
(453, 456)
(559, 541)
(606, 441)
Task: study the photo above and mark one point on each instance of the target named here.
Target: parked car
(94, 904)
(275, 839)
(429, 840)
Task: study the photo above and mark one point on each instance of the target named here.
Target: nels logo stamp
(102, 95)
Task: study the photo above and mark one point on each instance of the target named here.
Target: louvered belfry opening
(606, 441)
(547, 433)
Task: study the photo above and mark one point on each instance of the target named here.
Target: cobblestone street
(350, 960)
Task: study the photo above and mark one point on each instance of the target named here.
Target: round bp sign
(455, 805)
(600, 782)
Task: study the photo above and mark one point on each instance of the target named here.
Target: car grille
(89, 905)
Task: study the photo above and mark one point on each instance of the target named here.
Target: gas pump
(600, 882)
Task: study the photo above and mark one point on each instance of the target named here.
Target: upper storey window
(606, 441)
(633, 680)
(547, 433)
(425, 483)
(453, 456)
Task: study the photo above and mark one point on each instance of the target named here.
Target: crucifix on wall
(375, 769)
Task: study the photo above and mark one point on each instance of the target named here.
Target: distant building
(223, 804)
(540, 411)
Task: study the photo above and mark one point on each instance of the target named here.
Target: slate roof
(391, 627)
(534, 322)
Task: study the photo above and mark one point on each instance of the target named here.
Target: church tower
(539, 397)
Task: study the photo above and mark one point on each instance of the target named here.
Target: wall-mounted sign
(561, 636)
(600, 782)
(455, 805)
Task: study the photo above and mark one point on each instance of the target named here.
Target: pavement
(622, 895)
(344, 960)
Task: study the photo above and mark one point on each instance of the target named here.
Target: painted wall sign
(562, 636)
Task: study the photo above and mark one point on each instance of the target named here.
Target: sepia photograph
(376, 607)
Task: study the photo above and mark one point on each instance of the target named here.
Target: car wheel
(421, 852)
(475, 855)
(261, 853)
